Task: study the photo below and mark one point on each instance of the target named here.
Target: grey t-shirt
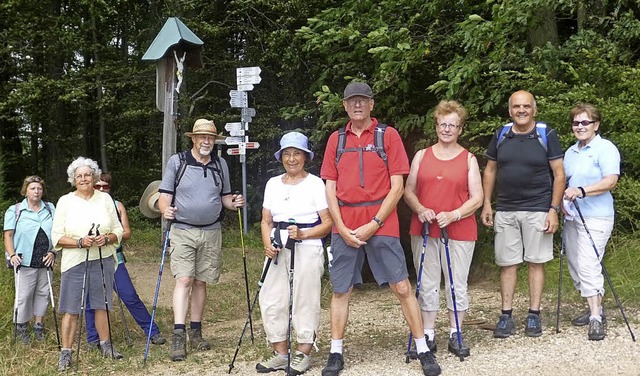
(524, 178)
(198, 194)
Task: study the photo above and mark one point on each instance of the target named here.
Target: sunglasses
(584, 123)
(34, 179)
(101, 186)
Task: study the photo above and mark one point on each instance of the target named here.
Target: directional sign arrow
(245, 87)
(246, 119)
(232, 126)
(234, 140)
(249, 111)
(248, 80)
(236, 132)
(251, 145)
(248, 71)
(234, 151)
(238, 103)
(238, 94)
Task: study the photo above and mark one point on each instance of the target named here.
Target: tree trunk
(544, 28)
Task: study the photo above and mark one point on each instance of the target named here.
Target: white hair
(81, 162)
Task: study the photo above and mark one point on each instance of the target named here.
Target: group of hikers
(355, 201)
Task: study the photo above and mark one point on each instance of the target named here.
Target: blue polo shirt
(29, 223)
(589, 165)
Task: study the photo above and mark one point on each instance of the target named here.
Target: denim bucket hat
(294, 140)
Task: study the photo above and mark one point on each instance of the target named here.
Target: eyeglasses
(357, 101)
(448, 126)
(584, 123)
(85, 176)
(101, 186)
(34, 179)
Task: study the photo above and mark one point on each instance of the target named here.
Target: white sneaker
(276, 363)
(300, 364)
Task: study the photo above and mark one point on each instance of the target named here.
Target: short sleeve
(10, 218)
(169, 176)
(554, 149)
(329, 171)
(609, 160)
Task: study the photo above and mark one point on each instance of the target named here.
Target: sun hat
(357, 89)
(149, 200)
(204, 127)
(293, 140)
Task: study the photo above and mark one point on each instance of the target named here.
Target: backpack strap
(378, 142)
(342, 140)
(541, 130)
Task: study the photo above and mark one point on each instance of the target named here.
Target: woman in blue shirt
(592, 168)
(27, 240)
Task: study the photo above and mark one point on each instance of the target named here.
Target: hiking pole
(291, 245)
(255, 299)
(425, 235)
(244, 261)
(604, 270)
(155, 298)
(53, 305)
(104, 291)
(560, 283)
(83, 297)
(445, 238)
(16, 270)
(124, 320)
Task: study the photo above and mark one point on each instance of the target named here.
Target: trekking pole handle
(425, 229)
(445, 234)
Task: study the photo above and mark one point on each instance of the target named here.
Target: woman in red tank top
(444, 189)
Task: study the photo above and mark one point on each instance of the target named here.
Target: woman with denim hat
(294, 214)
(27, 240)
(592, 168)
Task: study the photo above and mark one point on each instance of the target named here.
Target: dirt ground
(377, 337)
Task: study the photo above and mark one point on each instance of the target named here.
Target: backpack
(378, 144)
(217, 167)
(15, 227)
(541, 129)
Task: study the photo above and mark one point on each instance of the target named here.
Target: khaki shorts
(520, 237)
(196, 253)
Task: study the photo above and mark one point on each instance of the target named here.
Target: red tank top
(444, 186)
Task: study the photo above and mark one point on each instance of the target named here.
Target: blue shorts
(385, 256)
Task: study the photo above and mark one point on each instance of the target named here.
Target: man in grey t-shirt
(525, 160)
(192, 198)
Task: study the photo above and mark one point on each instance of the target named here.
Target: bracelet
(106, 240)
(79, 242)
(10, 257)
(53, 253)
(584, 193)
(457, 213)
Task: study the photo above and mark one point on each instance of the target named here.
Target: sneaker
(179, 345)
(158, 339)
(300, 364)
(196, 342)
(276, 363)
(462, 350)
(596, 330)
(335, 364)
(429, 365)
(433, 347)
(505, 327)
(584, 320)
(534, 326)
(93, 345)
(64, 360)
(22, 333)
(38, 331)
(109, 351)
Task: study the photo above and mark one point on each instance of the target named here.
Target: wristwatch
(378, 221)
(556, 208)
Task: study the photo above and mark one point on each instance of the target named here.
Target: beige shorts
(520, 237)
(196, 253)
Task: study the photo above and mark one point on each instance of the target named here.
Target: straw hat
(204, 127)
(149, 200)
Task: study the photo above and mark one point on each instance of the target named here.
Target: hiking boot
(429, 365)
(196, 342)
(109, 351)
(300, 364)
(91, 346)
(38, 331)
(462, 350)
(158, 339)
(534, 326)
(505, 327)
(433, 347)
(276, 363)
(335, 364)
(596, 330)
(584, 319)
(22, 333)
(179, 345)
(64, 360)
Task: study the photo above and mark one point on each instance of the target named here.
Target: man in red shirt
(362, 192)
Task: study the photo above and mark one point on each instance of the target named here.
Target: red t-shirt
(444, 186)
(376, 177)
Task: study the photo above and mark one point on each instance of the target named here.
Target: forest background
(72, 81)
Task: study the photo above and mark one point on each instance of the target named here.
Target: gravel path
(376, 338)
